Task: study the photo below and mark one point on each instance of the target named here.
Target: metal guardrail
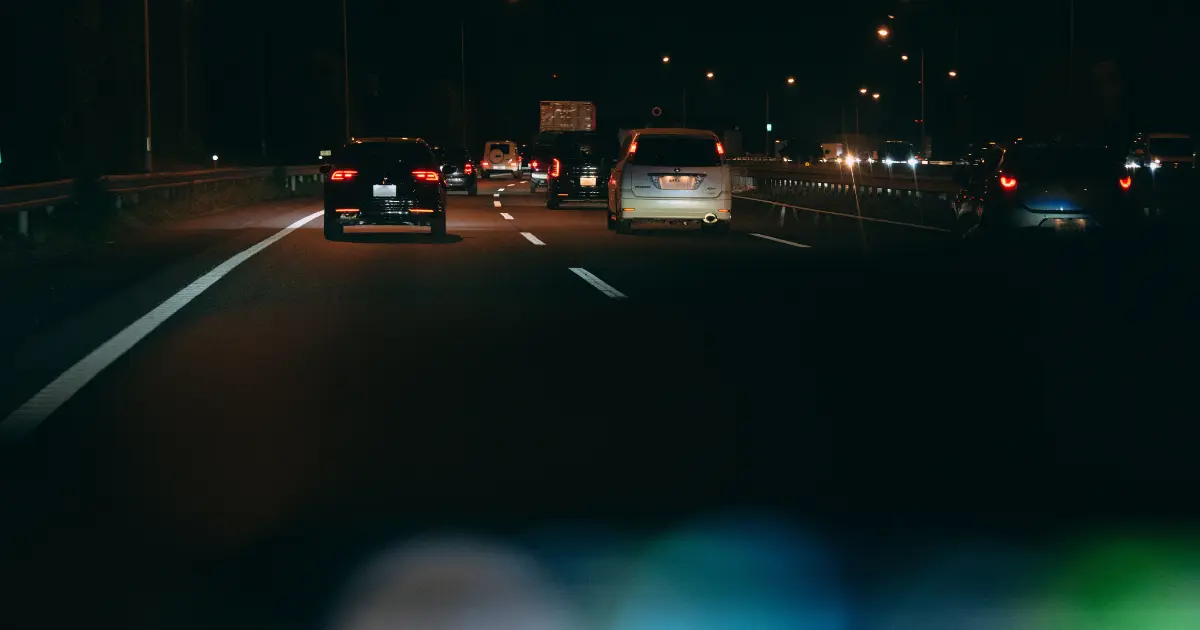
(870, 177)
(22, 198)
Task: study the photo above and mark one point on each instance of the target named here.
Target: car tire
(552, 200)
(473, 190)
(485, 175)
(516, 175)
(437, 227)
(333, 230)
(624, 226)
(532, 186)
(611, 219)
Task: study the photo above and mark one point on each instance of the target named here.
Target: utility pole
(1071, 56)
(346, 68)
(146, 36)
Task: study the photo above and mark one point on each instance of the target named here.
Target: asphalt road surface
(319, 399)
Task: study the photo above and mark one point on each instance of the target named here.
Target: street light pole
(767, 138)
(462, 43)
(923, 143)
(146, 36)
(346, 69)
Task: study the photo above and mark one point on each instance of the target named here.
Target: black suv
(384, 181)
(580, 164)
(459, 169)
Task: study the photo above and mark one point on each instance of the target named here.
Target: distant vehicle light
(912, 161)
(720, 148)
(1008, 183)
(889, 161)
(342, 175)
(469, 168)
(1126, 182)
(633, 147)
(533, 164)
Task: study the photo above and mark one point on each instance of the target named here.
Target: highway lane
(393, 379)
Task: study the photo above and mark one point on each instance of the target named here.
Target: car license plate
(1070, 225)
(587, 181)
(454, 180)
(384, 190)
(677, 182)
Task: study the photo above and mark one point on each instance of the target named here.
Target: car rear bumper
(1024, 219)
(371, 211)
(464, 182)
(651, 209)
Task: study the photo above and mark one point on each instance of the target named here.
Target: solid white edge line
(506, 216)
(843, 214)
(496, 204)
(532, 239)
(28, 416)
(779, 240)
(600, 285)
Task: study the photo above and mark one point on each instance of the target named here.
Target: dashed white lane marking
(496, 195)
(31, 414)
(600, 285)
(510, 185)
(532, 239)
(496, 204)
(506, 216)
(779, 240)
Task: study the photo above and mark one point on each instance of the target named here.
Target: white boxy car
(670, 176)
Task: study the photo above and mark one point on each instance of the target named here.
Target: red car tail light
(342, 175)
(556, 168)
(1008, 183)
(469, 168)
(1126, 182)
(427, 176)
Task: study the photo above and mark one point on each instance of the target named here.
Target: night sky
(272, 71)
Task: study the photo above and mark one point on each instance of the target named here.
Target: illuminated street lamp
(953, 74)
(903, 57)
(883, 32)
(862, 90)
(666, 59)
(791, 80)
(875, 96)
(709, 75)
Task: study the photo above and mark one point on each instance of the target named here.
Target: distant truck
(567, 116)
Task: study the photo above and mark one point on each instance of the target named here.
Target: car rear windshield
(1062, 161)
(501, 147)
(578, 145)
(369, 152)
(676, 151)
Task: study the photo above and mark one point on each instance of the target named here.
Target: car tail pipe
(710, 218)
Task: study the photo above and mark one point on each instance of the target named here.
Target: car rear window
(1062, 161)
(571, 145)
(408, 152)
(676, 151)
(501, 147)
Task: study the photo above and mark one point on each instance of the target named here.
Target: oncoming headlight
(912, 161)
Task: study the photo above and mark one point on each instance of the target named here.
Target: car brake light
(1008, 183)
(1126, 182)
(342, 175)
(554, 170)
(720, 149)
(468, 169)
(533, 164)
(426, 176)
(633, 147)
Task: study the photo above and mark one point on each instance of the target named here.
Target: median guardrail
(21, 200)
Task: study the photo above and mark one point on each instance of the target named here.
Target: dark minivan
(580, 164)
(384, 181)
(459, 169)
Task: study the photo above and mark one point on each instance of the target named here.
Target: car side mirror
(325, 168)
